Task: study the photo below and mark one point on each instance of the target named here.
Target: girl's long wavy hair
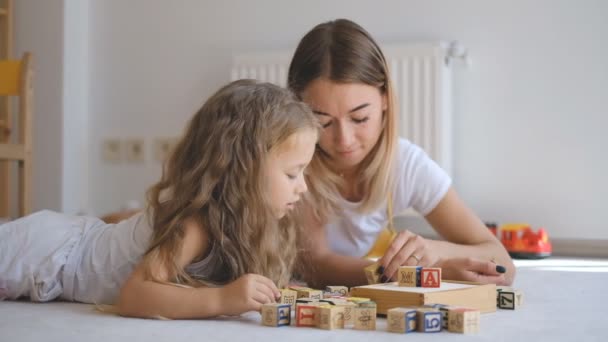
(343, 52)
(215, 176)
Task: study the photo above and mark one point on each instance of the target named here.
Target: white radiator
(421, 78)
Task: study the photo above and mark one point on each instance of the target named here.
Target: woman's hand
(474, 270)
(407, 249)
(248, 293)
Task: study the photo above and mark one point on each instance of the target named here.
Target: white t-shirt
(419, 184)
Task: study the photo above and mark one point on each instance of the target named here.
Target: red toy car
(521, 241)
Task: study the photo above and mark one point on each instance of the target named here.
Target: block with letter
(409, 276)
(307, 292)
(429, 320)
(463, 320)
(401, 320)
(340, 291)
(349, 312)
(365, 316)
(276, 314)
(508, 298)
(331, 317)
(288, 296)
(430, 277)
(307, 315)
(372, 274)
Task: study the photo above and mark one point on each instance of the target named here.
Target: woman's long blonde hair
(344, 52)
(215, 176)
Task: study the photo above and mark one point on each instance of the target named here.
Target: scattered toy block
(508, 298)
(444, 309)
(463, 320)
(336, 291)
(276, 314)
(430, 277)
(349, 312)
(365, 316)
(331, 317)
(357, 300)
(288, 296)
(429, 319)
(307, 315)
(401, 320)
(409, 276)
(372, 274)
(307, 292)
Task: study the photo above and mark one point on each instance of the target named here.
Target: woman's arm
(466, 235)
(141, 297)
(470, 252)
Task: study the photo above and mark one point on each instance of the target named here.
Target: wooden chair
(16, 135)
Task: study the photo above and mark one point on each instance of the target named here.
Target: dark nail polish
(380, 270)
(500, 269)
(383, 279)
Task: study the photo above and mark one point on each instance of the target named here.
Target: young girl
(217, 237)
(363, 173)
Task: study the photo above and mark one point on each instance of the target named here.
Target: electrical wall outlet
(163, 147)
(134, 150)
(112, 150)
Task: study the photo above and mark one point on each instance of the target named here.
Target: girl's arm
(470, 252)
(140, 297)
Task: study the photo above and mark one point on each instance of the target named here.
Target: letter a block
(431, 277)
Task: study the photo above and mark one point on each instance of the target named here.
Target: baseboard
(580, 248)
(561, 247)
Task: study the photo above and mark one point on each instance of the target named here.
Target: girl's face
(285, 165)
(351, 115)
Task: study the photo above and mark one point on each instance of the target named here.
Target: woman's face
(351, 115)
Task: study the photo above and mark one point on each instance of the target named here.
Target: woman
(362, 172)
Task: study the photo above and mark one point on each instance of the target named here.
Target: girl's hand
(248, 293)
(475, 270)
(407, 249)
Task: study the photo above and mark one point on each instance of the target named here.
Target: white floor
(565, 300)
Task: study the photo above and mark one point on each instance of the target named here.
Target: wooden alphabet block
(288, 296)
(307, 315)
(306, 301)
(357, 300)
(508, 298)
(429, 320)
(307, 292)
(409, 276)
(462, 320)
(372, 274)
(276, 314)
(349, 312)
(401, 320)
(365, 316)
(444, 309)
(430, 277)
(336, 291)
(331, 317)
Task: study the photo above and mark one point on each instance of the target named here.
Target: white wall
(38, 27)
(528, 113)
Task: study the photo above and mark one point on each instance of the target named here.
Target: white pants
(34, 251)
